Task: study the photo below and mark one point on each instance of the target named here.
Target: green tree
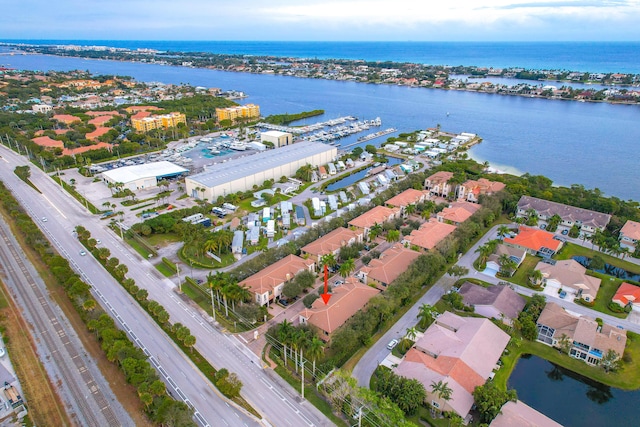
(393, 236)
(315, 351)
(458, 271)
(425, 314)
(442, 390)
(489, 400)
(347, 267)
(503, 230)
(291, 289)
(564, 344)
(610, 362)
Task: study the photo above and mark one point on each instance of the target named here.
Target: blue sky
(418, 20)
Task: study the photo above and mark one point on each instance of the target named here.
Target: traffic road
(274, 399)
(63, 213)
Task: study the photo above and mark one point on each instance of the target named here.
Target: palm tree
(410, 336)
(536, 277)
(375, 231)
(507, 265)
(442, 390)
(410, 209)
(532, 217)
(89, 305)
(393, 236)
(285, 330)
(484, 252)
(329, 260)
(315, 350)
(347, 267)
(425, 314)
(503, 230)
(243, 294)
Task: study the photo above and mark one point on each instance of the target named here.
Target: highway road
(84, 391)
(63, 213)
(275, 400)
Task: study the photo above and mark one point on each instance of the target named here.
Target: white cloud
(324, 20)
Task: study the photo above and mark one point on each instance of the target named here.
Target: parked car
(283, 302)
(392, 344)
(338, 283)
(565, 232)
(98, 241)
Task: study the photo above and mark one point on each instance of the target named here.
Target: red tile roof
(627, 293)
(407, 197)
(458, 212)
(430, 234)
(102, 113)
(84, 149)
(268, 278)
(140, 115)
(100, 120)
(534, 239)
(332, 241)
(97, 133)
(346, 300)
(391, 264)
(66, 118)
(45, 141)
(377, 215)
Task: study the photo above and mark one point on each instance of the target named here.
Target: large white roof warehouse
(242, 174)
(143, 176)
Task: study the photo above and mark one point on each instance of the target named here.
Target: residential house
(520, 414)
(67, 119)
(627, 295)
(457, 212)
(569, 276)
(331, 243)
(377, 215)
(267, 284)
(47, 142)
(516, 254)
(97, 133)
(588, 221)
(429, 234)
(630, 234)
(471, 190)
(534, 241)
(409, 196)
(459, 351)
(496, 301)
(238, 242)
(588, 340)
(438, 183)
(392, 263)
(346, 300)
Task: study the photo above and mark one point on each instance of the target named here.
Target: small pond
(571, 399)
(609, 269)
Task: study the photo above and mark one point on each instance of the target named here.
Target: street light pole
(179, 279)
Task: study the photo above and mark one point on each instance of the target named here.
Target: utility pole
(302, 383)
(213, 307)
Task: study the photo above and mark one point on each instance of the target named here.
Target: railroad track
(75, 375)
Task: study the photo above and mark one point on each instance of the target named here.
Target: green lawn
(138, 248)
(570, 250)
(628, 378)
(521, 277)
(608, 287)
(165, 270)
(162, 239)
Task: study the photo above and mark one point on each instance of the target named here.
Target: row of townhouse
(439, 184)
(588, 221)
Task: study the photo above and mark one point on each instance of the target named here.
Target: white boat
(214, 151)
(238, 146)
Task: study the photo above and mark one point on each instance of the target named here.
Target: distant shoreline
(622, 88)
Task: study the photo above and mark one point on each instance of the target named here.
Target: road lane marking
(54, 206)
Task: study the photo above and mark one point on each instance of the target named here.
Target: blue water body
(609, 269)
(569, 398)
(593, 144)
(603, 57)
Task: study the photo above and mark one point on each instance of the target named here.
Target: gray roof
(503, 298)
(232, 170)
(160, 169)
(566, 212)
